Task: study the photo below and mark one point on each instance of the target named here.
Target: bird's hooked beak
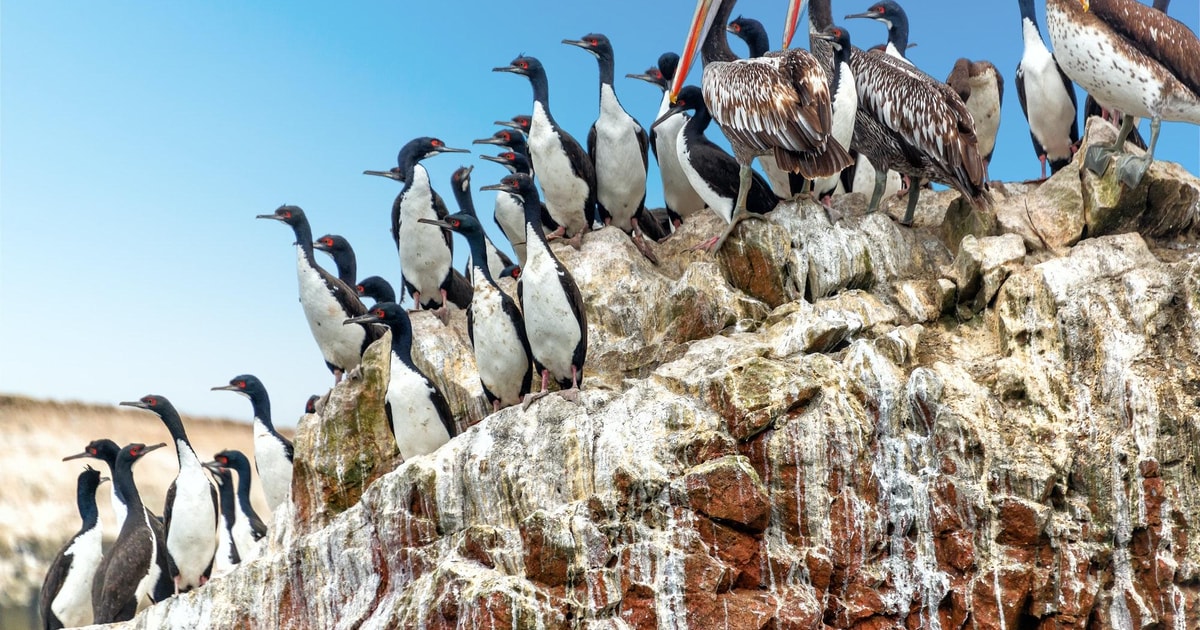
(368, 318)
(795, 8)
(141, 405)
(444, 149)
(1086, 5)
(701, 21)
(103, 479)
(502, 187)
(214, 467)
(261, 216)
(667, 114)
(507, 123)
(513, 69)
(77, 456)
(494, 158)
(867, 15)
(441, 224)
(153, 447)
(825, 36)
(492, 140)
(227, 388)
(580, 43)
(651, 76)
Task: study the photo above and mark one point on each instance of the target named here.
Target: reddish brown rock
(546, 562)
(1018, 523)
(745, 610)
(728, 489)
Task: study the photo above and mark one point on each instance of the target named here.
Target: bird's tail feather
(814, 164)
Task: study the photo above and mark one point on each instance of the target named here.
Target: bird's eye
(379, 312)
(92, 450)
(287, 214)
(525, 65)
(879, 10)
(359, 288)
(594, 42)
(241, 384)
(657, 74)
(455, 222)
(150, 400)
(135, 451)
(737, 28)
(507, 136)
(436, 143)
(517, 272)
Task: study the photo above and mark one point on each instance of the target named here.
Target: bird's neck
(606, 70)
(347, 266)
(533, 218)
(699, 122)
(716, 44)
(840, 56)
(479, 257)
(898, 34)
(759, 42)
(1028, 16)
(88, 512)
(127, 491)
(820, 16)
(174, 423)
(262, 410)
(225, 491)
(243, 488)
(402, 344)
(541, 89)
(462, 195)
(304, 241)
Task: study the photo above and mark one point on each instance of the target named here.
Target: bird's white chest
(499, 355)
(415, 419)
(243, 535)
(984, 106)
(677, 190)
(1050, 110)
(845, 105)
(192, 540)
(340, 345)
(424, 258)
(118, 508)
(1103, 65)
(620, 171)
(73, 603)
(718, 203)
(550, 322)
(565, 193)
(274, 469)
(510, 215)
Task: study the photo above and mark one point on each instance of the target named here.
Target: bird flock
(830, 120)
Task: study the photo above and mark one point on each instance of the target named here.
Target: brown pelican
(1132, 58)
(778, 104)
(907, 121)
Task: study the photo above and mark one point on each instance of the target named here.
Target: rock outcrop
(980, 422)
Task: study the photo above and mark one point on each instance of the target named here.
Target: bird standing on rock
(417, 412)
(778, 104)
(248, 528)
(129, 572)
(566, 172)
(273, 453)
(190, 512)
(494, 324)
(617, 145)
(426, 253)
(1134, 59)
(555, 316)
(325, 299)
(66, 597)
(1047, 97)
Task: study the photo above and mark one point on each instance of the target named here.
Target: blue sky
(140, 139)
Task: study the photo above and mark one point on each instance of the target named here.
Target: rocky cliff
(982, 421)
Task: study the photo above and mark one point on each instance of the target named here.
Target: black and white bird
(509, 209)
(845, 101)
(565, 171)
(190, 512)
(1047, 97)
(617, 145)
(778, 104)
(273, 452)
(981, 88)
(751, 31)
(227, 556)
(66, 597)
(426, 253)
(494, 323)
(417, 412)
(248, 528)
(679, 197)
(710, 170)
(555, 316)
(460, 181)
(130, 570)
(326, 300)
(907, 121)
(892, 16)
(342, 253)
(106, 451)
(1131, 58)
(376, 288)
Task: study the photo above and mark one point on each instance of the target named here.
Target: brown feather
(1161, 37)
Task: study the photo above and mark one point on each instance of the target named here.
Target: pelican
(778, 104)
(1131, 58)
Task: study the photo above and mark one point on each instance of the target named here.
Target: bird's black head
(653, 75)
(310, 406)
(334, 244)
(232, 458)
(502, 138)
(152, 402)
(511, 271)
(523, 65)
(595, 43)
(377, 288)
(518, 184)
(520, 122)
(418, 149)
(135, 451)
(461, 178)
(460, 222)
(104, 449)
(886, 11)
(247, 385)
(513, 161)
(389, 313)
(690, 98)
(668, 62)
(90, 479)
(392, 173)
(291, 215)
(744, 27)
(835, 35)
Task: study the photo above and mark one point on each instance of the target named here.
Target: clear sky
(140, 139)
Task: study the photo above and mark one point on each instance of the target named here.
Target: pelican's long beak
(795, 8)
(701, 22)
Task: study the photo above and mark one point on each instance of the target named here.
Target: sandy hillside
(38, 493)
